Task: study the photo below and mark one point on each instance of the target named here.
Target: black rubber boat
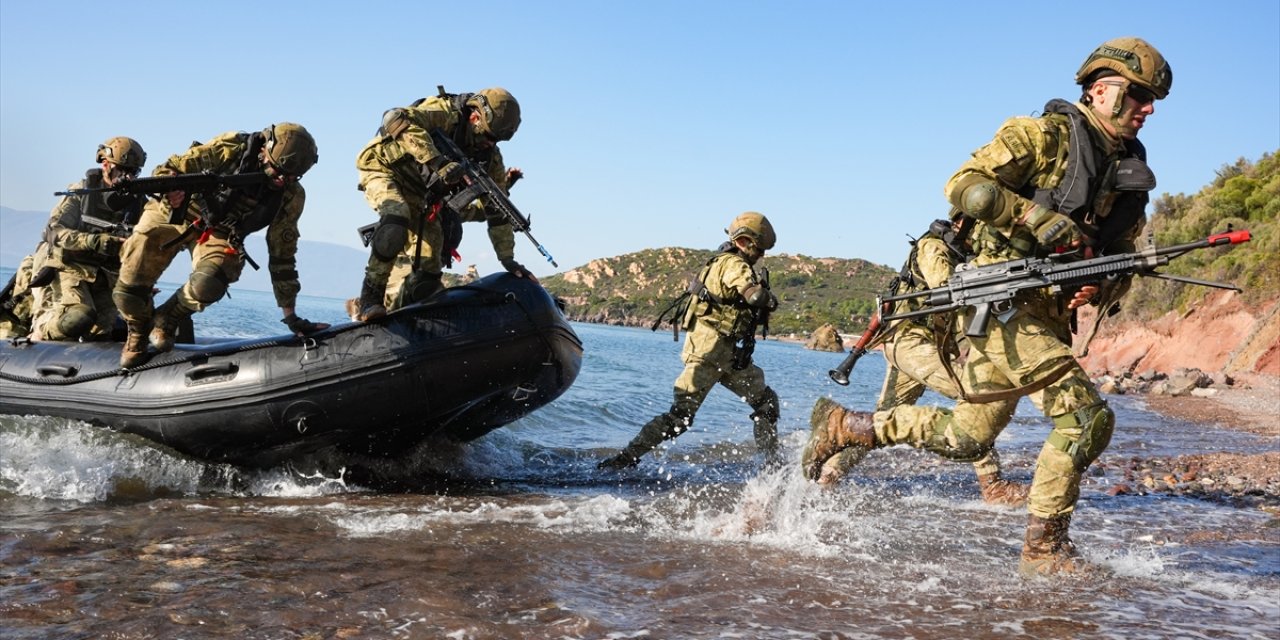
(470, 360)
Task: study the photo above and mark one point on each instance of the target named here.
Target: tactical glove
(107, 244)
(514, 268)
(302, 326)
(1051, 229)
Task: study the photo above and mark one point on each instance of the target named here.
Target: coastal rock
(825, 338)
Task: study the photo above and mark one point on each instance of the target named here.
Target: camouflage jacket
(251, 209)
(724, 309)
(73, 243)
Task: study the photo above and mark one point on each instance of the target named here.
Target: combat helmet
(754, 226)
(123, 152)
(499, 112)
(1134, 59)
(291, 148)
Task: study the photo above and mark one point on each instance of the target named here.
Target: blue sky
(646, 124)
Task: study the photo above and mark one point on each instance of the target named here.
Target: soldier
(84, 237)
(284, 152)
(915, 363)
(17, 296)
(728, 302)
(1074, 178)
(404, 176)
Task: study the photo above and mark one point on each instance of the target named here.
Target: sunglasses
(274, 171)
(1141, 94)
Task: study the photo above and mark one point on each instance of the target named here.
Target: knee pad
(1096, 422)
(767, 408)
(75, 321)
(133, 301)
(207, 284)
(955, 445)
(389, 237)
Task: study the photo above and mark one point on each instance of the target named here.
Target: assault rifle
(205, 182)
(991, 289)
(742, 355)
(120, 229)
(481, 186)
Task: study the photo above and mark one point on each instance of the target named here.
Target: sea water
(518, 535)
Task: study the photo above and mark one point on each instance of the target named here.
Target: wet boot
(134, 352)
(168, 319)
(997, 490)
(1047, 550)
(661, 427)
(835, 429)
(371, 307)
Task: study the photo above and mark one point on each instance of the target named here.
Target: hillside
(1165, 325)
(632, 289)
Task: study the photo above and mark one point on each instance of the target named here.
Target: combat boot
(1047, 550)
(997, 490)
(134, 352)
(168, 318)
(835, 429)
(371, 302)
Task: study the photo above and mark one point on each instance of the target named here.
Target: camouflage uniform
(915, 364)
(16, 312)
(218, 257)
(715, 325)
(88, 262)
(394, 169)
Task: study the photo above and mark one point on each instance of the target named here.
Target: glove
(1051, 229)
(107, 244)
(302, 326)
(450, 173)
(514, 268)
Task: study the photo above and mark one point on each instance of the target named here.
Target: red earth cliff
(1218, 334)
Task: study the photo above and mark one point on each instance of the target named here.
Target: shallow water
(517, 535)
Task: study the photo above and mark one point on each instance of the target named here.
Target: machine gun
(480, 186)
(991, 289)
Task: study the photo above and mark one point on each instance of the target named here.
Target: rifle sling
(943, 338)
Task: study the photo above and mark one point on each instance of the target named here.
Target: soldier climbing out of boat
(728, 300)
(213, 226)
(405, 176)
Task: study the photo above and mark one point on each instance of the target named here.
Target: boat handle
(206, 370)
(66, 371)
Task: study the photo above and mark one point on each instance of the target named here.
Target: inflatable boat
(471, 359)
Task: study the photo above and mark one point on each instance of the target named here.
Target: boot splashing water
(833, 430)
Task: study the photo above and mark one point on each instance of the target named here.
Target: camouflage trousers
(80, 286)
(424, 240)
(1012, 354)
(914, 365)
(708, 360)
(144, 259)
(16, 321)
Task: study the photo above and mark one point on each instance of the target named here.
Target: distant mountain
(633, 289)
(327, 270)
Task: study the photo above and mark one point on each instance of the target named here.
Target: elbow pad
(981, 198)
(760, 297)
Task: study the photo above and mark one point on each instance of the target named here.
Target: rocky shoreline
(1250, 402)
